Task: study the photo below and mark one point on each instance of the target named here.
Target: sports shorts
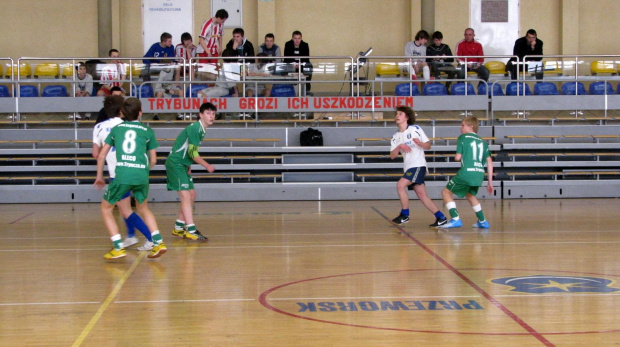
(460, 188)
(415, 174)
(116, 191)
(177, 178)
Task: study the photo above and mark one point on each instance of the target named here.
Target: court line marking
(378, 297)
(20, 218)
(51, 303)
(471, 283)
(180, 300)
(89, 327)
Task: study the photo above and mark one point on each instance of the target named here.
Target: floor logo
(543, 284)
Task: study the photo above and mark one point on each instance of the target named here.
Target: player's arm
(192, 152)
(99, 182)
(458, 157)
(95, 150)
(425, 145)
(490, 173)
(152, 158)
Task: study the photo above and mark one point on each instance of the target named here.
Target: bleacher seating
(496, 68)
(406, 89)
(143, 91)
(4, 91)
(55, 90)
(495, 90)
(46, 70)
(28, 91)
(459, 89)
(283, 91)
(387, 69)
(603, 67)
(545, 88)
(192, 90)
(434, 89)
(573, 88)
(23, 70)
(601, 88)
(511, 89)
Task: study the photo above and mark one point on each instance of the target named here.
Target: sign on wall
(496, 24)
(172, 16)
(234, 9)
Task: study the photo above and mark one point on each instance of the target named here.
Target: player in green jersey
(184, 153)
(473, 152)
(135, 146)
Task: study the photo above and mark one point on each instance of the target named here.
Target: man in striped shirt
(211, 37)
(184, 50)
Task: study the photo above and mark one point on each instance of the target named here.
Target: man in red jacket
(470, 47)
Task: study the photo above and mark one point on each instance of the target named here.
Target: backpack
(311, 137)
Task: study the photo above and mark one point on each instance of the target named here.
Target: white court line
(378, 297)
(50, 303)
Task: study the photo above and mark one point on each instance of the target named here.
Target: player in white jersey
(411, 141)
(112, 105)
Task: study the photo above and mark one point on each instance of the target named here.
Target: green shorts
(460, 188)
(116, 192)
(177, 178)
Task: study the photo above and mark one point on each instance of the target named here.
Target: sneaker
(452, 224)
(115, 254)
(158, 250)
(130, 241)
(179, 233)
(197, 236)
(147, 246)
(401, 219)
(481, 225)
(438, 222)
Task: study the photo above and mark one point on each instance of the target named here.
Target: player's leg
(453, 187)
(475, 205)
(420, 191)
(133, 220)
(401, 189)
(110, 197)
(141, 193)
(177, 179)
(187, 206)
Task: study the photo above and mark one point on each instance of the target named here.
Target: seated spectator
(470, 47)
(270, 48)
(527, 45)
(165, 86)
(226, 80)
(161, 49)
(297, 47)
(112, 71)
(240, 45)
(185, 50)
(417, 48)
(439, 49)
(259, 69)
(102, 115)
(84, 84)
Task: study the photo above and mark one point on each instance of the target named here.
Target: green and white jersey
(191, 135)
(474, 151)
(132, 140)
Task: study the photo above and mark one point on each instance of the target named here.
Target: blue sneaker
(452, 224)
(481, 225)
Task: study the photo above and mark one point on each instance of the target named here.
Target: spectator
(102, 116)
(527, 45)
(417, 48)
(185, 50)
(84, 82)
(240, 45)
(161, 49)
(470, 47)
(258, 69)
(270, 48)
(163, 89)
(114, 70)
(439, 49)
(297, 47)
(226, 81)
(210, 44)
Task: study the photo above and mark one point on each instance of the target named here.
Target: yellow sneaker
(178, 233)
(196, 236)
(158, 250)
(115, 254)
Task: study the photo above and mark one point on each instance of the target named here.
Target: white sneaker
(130, 241)
(147, 246)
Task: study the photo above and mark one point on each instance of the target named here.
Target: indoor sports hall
(302, 245)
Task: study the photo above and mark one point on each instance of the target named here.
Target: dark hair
(229, 52)
(437, 35)
(112, 105)
(223, 14)
(409, 112)
(112, 51)
(297, 32)
(80, 64)
(186, 36)
(531, 32)
(131, 109)
(270, 35)
(239, 31)
(422, 34)
(116, 89)
(207, 106)
(164, 37)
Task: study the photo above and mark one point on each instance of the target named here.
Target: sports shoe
(130, 241)
(438, 222)
(178, 233)
(401, 219)
(158, 250)
(481, 225)
(147, 246)
(115, 254)
(453, 223)
(197, 236)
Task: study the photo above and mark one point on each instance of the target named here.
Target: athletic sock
(157, 239)
(138, 223)
(117, 241)
(451, 206)
(439, 215)
(190, 228)
(405, 212)
(479, 213)
(131, 232)
(179, 225)
(426, 73)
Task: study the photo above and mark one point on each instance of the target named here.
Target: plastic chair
(511, 89)
(387, 69)
(601, 88)
(143, 91)
(434, 89)
(48, 70)
(404, 89)
(193, 90)
(4, 92)
(283, 91)
(545, 88)
(553, 67)
(28, 91)
(597, 67)
(55, 90)
(496, 89)
(23, 70)
(496, 67)
(572, 88)
(67, 71)
(459, 89)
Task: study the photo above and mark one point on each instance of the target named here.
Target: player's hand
(417, 142)
(490, 188)
(405, 148)
(99, 183)
(210, 168)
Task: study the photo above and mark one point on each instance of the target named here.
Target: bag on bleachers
(311, 137)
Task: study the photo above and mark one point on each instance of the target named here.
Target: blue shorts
(128, 194)
(415, 174)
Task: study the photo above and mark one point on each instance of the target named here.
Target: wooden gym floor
(333, 273)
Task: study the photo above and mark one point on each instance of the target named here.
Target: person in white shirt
(417, 48)
(227, 77)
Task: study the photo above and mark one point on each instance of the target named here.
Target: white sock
(426, 72)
